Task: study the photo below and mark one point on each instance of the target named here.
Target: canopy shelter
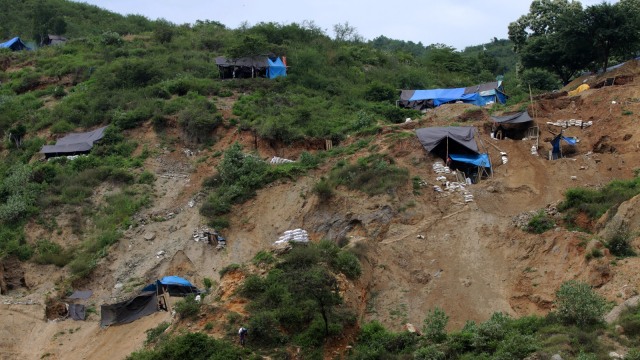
(145, 303)
(457, 145)
(174, 285)
(251, 67)
(14, 44)
(480, 95)
(514, 126)
(53, 40)
(74, 144)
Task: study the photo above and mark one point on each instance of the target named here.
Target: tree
(163, 31)
(322, 287)
(578, 304)
(552, 36)
(613, 30)
(346, 32)
(45, 21)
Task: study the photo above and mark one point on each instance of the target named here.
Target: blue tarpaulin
(442, 96)
(175, 285)
(14, 44)
(555, 143)
(276, 69)
(478, 160)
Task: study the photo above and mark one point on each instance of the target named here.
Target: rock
(118, 286)
(618, 329)
(491, 189)
(615, 355)
(149, 236)
(556, 357)
(615, 312)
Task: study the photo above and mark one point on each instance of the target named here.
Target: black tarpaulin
(81, 294)
(463, 136)
(517, 118)
(146, 303)
(77, 312)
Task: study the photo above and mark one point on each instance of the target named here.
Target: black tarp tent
(513, 126)
(74, 143)
(251, 67)
(145, 303)
(460, 141)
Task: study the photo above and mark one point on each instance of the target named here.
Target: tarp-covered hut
(457, 145)
(480, 95)
(513, 126)
(251, 67)
(54, 40)
(174, 285)
(73, 144)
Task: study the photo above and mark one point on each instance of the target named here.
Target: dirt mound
(11, 275)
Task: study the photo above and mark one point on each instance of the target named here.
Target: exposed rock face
(11, 275)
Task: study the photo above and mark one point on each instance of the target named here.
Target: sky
(457, 23)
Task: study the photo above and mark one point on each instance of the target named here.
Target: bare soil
(418, 251)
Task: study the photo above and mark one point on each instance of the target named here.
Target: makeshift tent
(174, 285)
(514, 126)
(556, 151)
(251, 67)
(14, 44)
(480, 95)
(458, 144)
(54, 40)
(146, 303)
(77, 312)
(73, 144)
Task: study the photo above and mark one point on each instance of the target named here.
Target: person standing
(242, 333)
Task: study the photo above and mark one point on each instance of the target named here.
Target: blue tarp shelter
(556, 151)
(480, 95)
(251, 67)
(276, 68)
(175, 286)
(14, 44)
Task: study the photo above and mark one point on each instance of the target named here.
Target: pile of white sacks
(296, 235)
(440, 168)
(503, 155)
(278, 160)
(571, 122)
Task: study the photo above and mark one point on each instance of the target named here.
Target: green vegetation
(540, 223)
(196, 346)
(595, 203)
(154, 334)
(297, 301)
(187, 307)
(578, 305)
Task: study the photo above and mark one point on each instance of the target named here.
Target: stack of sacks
(437, 188)
(441, 178)
(504, 157)
(297, 235)
(468, 197)
(571, 122)
(278, 160)
(439, 168)
(534, 150)
(453, 186)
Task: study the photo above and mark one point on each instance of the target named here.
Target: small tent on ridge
(457, 143)
(251, 67)
(145, 303)
(480, 95)
(14, 44)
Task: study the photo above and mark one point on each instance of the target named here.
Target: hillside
(126, 214)
(469, 271)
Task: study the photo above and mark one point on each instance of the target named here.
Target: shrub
(154, 334)
(264, 329)
(146, 177)
(430, 352)
(540, 223)
(323, 189)
(263, 257)
(578, 304)
(51, 253)
(187, 307)
(229, 268)
(633, 354)
(434, 325)
(620, 244)
(348, 264)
